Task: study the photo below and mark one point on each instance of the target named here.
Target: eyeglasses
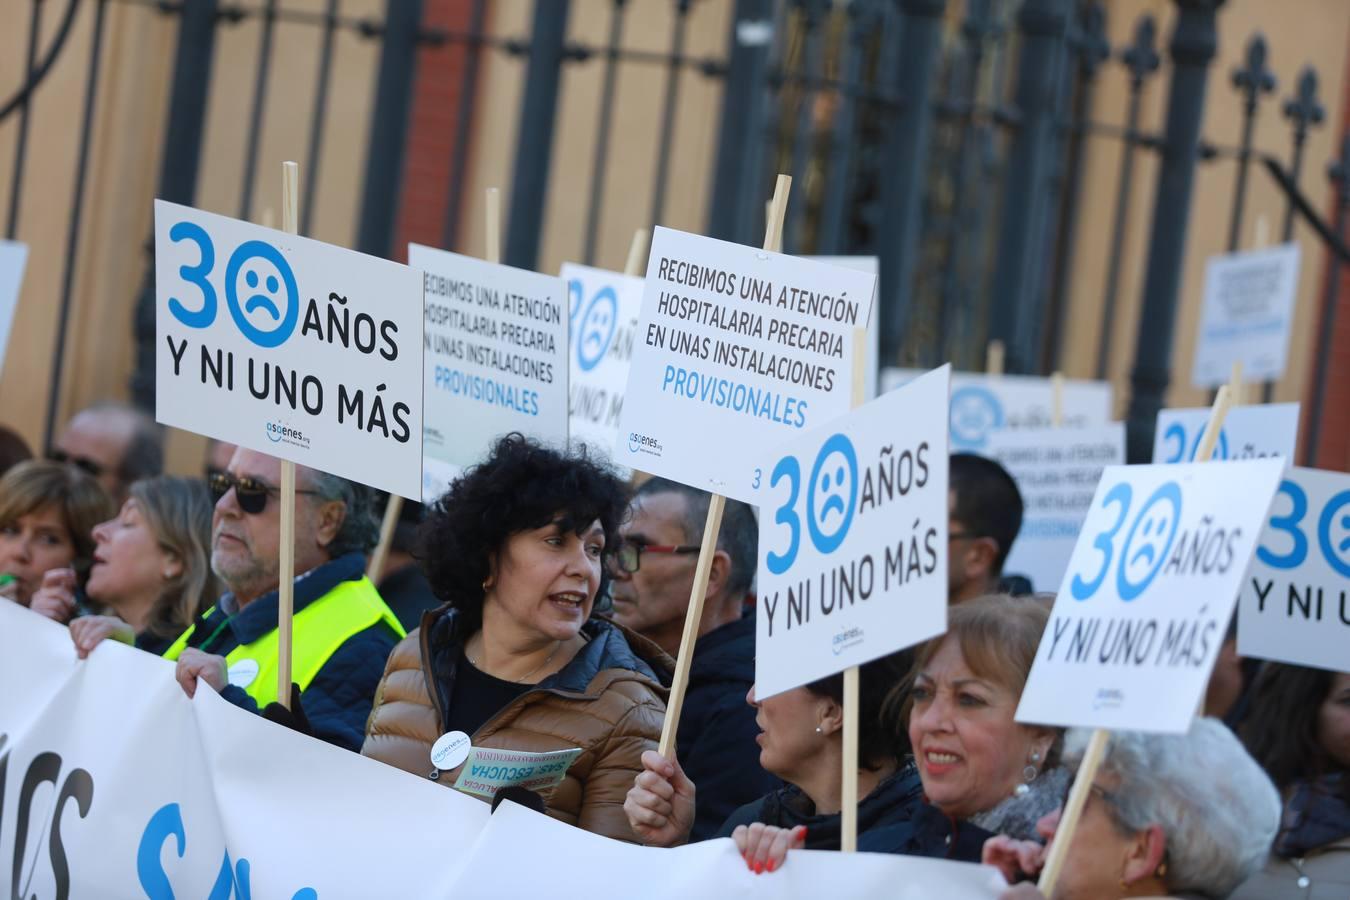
(249, 492)
(83, 463)
(628, 558)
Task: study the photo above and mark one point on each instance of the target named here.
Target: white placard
(496, 360)
(1248, 432)
(983, 404)
(1056, 470)
(1147, 598)
(1247, 315)
(13, 258)
(853, 539)
(870, 265)
(744, 344)
(488, 770)
(1295, 602)
(289, 346)
(603, 315)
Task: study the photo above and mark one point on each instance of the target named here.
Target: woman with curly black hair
(514, 659)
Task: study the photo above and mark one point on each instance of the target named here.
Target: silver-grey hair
(360, 529)
(1216, 807)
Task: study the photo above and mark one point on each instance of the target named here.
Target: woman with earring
(515, 660)
(152, 567)
(981, 772)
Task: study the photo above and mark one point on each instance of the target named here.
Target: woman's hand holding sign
(660, 805)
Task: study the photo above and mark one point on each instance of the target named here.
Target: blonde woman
(152, 567)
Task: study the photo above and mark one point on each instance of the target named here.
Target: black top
(477, 697)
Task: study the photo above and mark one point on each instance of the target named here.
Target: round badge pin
(242, 673)
(450, 749)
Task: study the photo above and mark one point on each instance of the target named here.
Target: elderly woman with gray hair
(1188, 816)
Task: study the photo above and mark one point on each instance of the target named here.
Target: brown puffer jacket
(609, 701)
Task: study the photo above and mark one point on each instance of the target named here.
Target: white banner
(604, 309)
(1056, 470)
(1248, 432)
(496, 360)
(114, 785)
(853, 539)
(751, 346)
(289, 346)
(984, 404)
(1295, 603)
(1247, 314)
(1147, 598)
(13, 257)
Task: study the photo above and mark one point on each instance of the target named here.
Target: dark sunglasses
(250, 493)
(83, 463)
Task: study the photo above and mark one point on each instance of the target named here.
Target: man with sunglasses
(115, 444)
(985, 516)
(343, 631)
(653, 574)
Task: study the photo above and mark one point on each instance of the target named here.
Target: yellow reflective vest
(319, 630)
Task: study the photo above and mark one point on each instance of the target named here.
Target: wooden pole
(993, 358)
(290, 202)
(1096, 749)
(492, 248)
(1235, 389)
(848, 786)
(1057, 400)
(712, 527)
(637, 253)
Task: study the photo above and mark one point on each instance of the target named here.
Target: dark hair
(1281, 730)
(520, 486)
(986, 501)
(13, 449)
(145, 451)
(738, 536)
(881, 735)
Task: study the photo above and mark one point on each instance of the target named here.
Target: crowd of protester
(539, 605)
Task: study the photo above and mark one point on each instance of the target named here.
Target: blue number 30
(1105, 542)
(788, 468)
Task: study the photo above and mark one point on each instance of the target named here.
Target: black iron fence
(947, 138)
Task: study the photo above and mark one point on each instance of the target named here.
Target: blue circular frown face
(975, 412)
(1149, 541)
(1333, 532)
(596, 329)
(833, 493)
(261, 292)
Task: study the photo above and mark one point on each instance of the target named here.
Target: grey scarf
(1017, 816)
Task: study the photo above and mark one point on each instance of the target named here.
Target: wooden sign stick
(290, 203)
(848, 787)
(637, 253)
(1096, 748)
(993, 358)
(394, 508)
(712, 526)
(1057, 400)
(1235, 389)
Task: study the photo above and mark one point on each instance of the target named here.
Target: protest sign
(872, 368)
(114, 785)
(486, 771)
(983, 404)
(1249, 432)
(603, 321)
(13, 257)
(1247, 313)
(738, 349)
(1056, 470)
(496, 344)
(1148, 595)
(289, 347)
(854, 564)
(1295, 601)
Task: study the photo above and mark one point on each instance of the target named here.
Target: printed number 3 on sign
(1333, 531)
(831, 500)
(1147, 543)
(264, 270)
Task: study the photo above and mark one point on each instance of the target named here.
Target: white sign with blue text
(853, 538)
(13, 257)
(289, 346)
(496, 360)
(984, 404)
(1248, 432)
(737, 350)
(1247, 314)
(870, 265)
(603, 315)
(1295, 602)
(1150, 589)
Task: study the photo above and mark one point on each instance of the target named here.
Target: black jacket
(715, 743)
